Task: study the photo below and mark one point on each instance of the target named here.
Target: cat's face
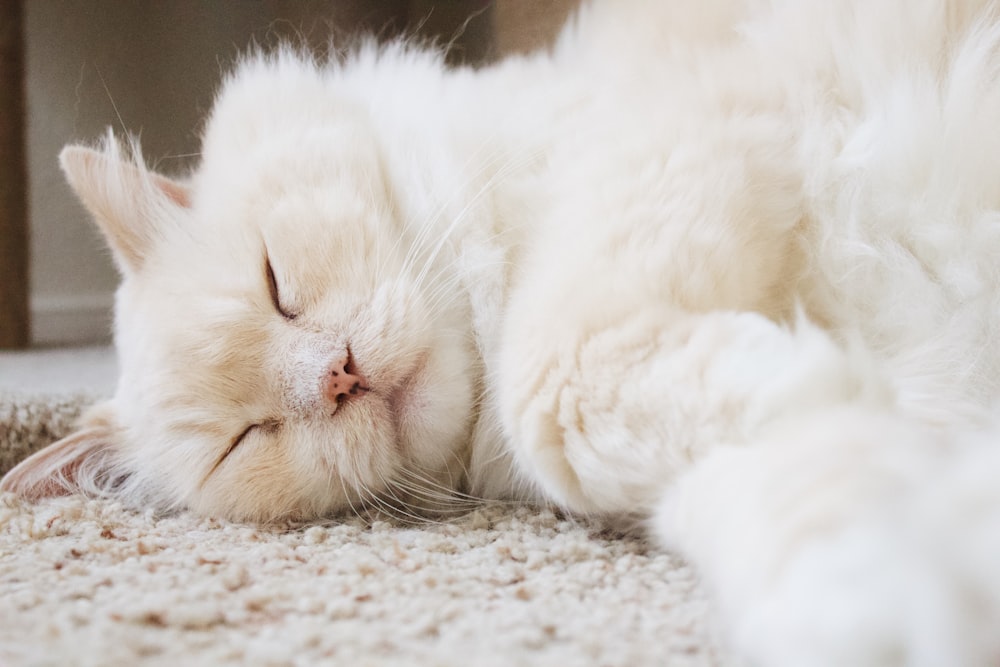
(286, 349)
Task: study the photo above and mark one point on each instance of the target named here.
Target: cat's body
(730, 266)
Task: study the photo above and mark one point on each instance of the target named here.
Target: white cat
(730, 266)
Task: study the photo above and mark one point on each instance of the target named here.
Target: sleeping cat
(729, 267)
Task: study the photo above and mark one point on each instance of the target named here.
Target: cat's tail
(849, 538)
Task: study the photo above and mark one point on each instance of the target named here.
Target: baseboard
(71, 320)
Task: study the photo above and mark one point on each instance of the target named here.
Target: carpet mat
(87, 582)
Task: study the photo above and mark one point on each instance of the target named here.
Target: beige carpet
(85, 582)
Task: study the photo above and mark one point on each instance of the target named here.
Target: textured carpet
(85, 582)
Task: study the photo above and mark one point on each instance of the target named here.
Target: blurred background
(71, 68)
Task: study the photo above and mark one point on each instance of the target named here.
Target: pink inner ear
(64, 467)
(175, 191)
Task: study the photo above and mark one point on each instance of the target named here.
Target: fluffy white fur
(729, 266)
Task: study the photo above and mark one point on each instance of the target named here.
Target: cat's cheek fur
(272, 481)
(300, 470)
(433, 412)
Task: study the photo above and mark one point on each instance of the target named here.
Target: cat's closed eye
(269, 426)
(232, 447)
(272, 286)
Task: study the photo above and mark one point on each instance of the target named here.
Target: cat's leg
(848, 537)
(832, 530)
(603, 416)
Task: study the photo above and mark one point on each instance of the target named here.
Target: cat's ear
(85, 461)
(130, 203)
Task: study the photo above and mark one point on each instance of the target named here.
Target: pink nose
(343, 381)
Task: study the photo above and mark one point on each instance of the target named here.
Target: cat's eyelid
(232, 446)
(269, 426)
(272, 286)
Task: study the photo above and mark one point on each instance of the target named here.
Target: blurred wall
(521, 26)
(151, 68)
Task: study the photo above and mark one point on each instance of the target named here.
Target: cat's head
(286, 341)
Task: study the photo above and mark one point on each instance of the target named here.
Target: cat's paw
(862, 599)
(848, 538)
(606, 419)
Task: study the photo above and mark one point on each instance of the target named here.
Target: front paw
(849, 538)
(860, 600)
